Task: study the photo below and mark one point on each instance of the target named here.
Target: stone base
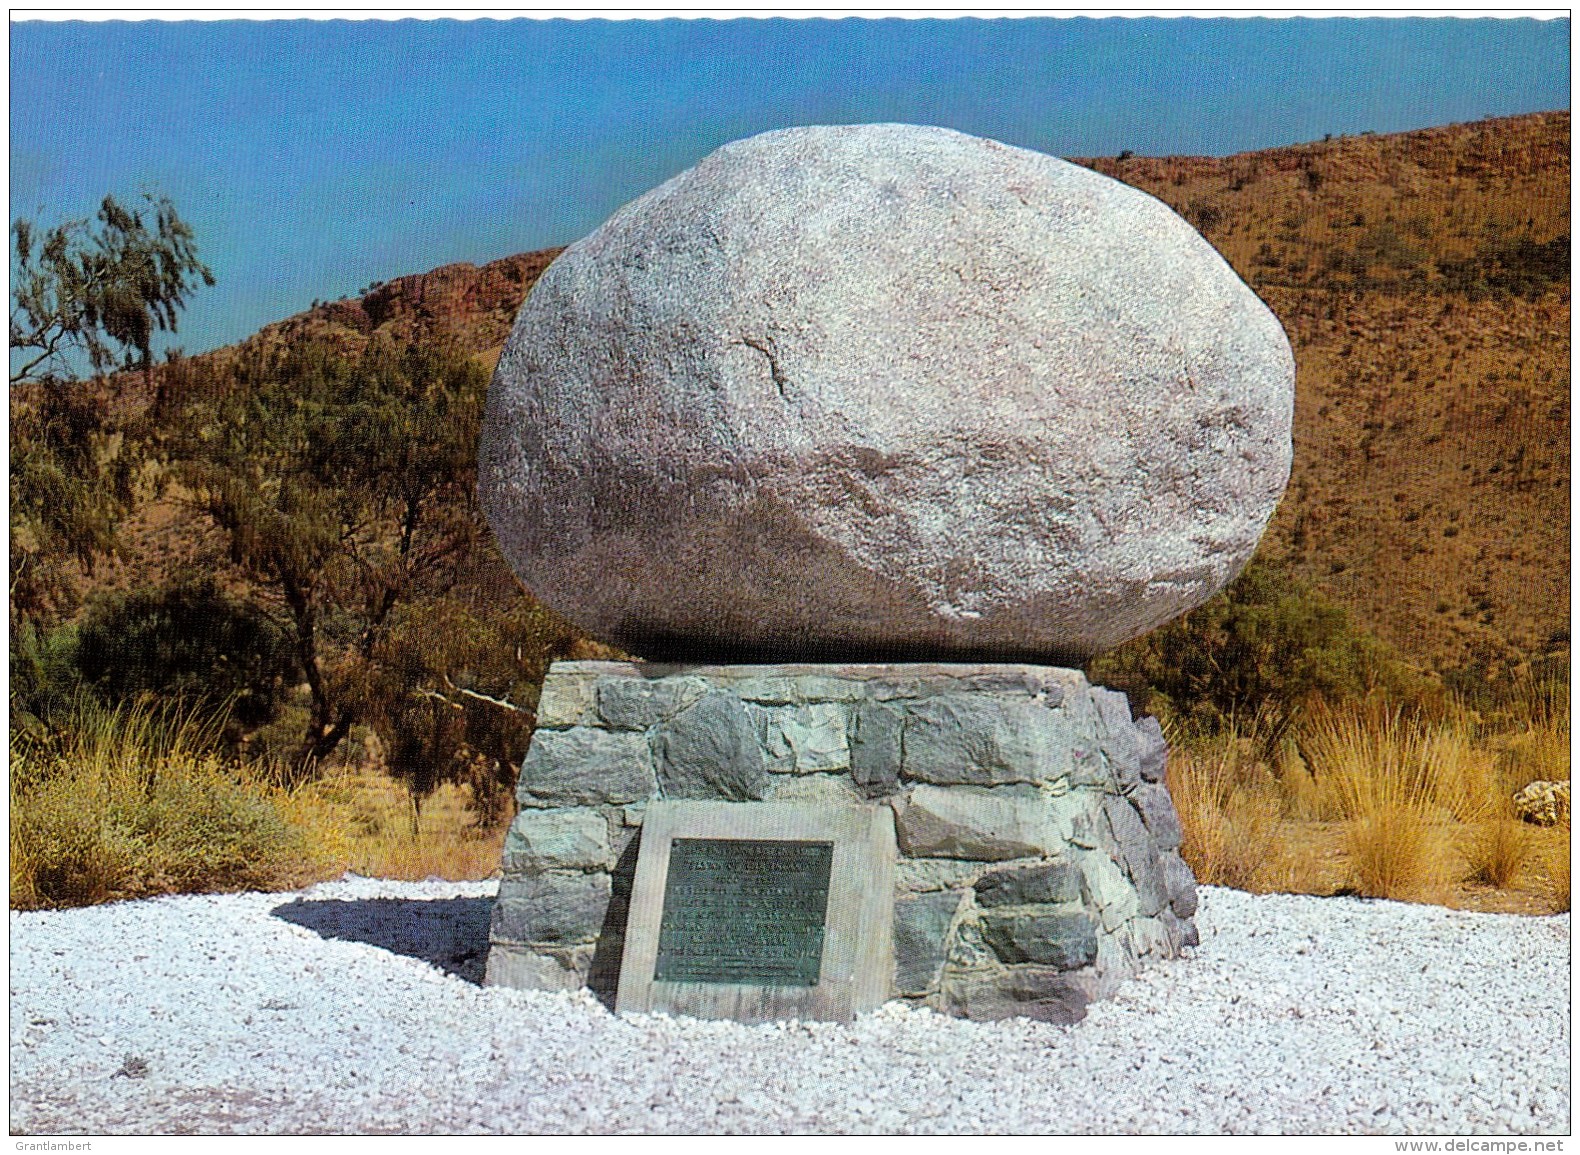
(1039, 849)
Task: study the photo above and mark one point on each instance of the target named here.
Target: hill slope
(1423, 281)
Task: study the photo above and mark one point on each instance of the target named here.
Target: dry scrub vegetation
(1361, 799)
(136, 802)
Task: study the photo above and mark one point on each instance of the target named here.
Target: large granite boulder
(885, 391)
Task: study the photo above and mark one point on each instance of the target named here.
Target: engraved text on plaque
(745, 911)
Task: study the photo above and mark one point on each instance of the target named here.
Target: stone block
(921, 939)
(1048, 882)
(901, 689)
(1113, 708)
(1067, 807)
(1115, 963)
(1191, 936)
(1066, 939)
(806, 739)
(1120, 744)
(550, 909)
(1154, 750)
(585, 767)
(568, 698)
(978, 740)
(1088, 768)
(1156, 937)
(1123, 753)
(540, 840)
(637, 703)
(1045, 994)
(1173, 930)
(1083, 831)
(709, 751)
(1152, 802)
(1180, 882)
(1006, 681)
(914, 875)
(1110, 891)
(832, 789)
(990, 824)
(563, 969)
(874, 740)
(1137, 852)
(787, 689)
(967, 952)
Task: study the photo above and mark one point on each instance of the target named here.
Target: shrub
(452, 691)
(1257, 652)
(44, 677)
(188, 640)
(135, 803)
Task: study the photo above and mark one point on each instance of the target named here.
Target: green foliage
(344, 486)
(1252, 657)
(455, 691)
(188, 641)
(45, 681)
(80, 294)
(99, 293)
(70, 485)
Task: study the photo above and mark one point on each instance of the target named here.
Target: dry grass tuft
(1395, 853)
(1498, 851)
(1537, 749)
(1394, 782)
(1558, 870)
(1392, 806)
(379, 841)
(1231, 816)
(135, 803)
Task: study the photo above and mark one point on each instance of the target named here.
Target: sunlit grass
(1413, 806)
(1498, 851)
(134, 802)
(1230, 813)
(384, 836)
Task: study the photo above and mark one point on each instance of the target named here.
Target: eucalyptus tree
(87, 298)
(343, 485)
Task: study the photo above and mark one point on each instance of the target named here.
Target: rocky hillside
(1423, 279)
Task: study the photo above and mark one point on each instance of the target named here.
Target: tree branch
(500, 702)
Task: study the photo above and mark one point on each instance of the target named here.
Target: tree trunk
(326, 727)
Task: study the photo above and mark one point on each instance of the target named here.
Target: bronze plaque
(767, 911)
(747, 911)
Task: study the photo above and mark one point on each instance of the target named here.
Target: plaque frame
(855, 974)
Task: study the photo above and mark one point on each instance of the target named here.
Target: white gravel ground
(229, 1013)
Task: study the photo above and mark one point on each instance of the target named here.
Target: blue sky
(313, 157)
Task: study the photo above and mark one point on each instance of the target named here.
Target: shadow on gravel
(449, 933)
